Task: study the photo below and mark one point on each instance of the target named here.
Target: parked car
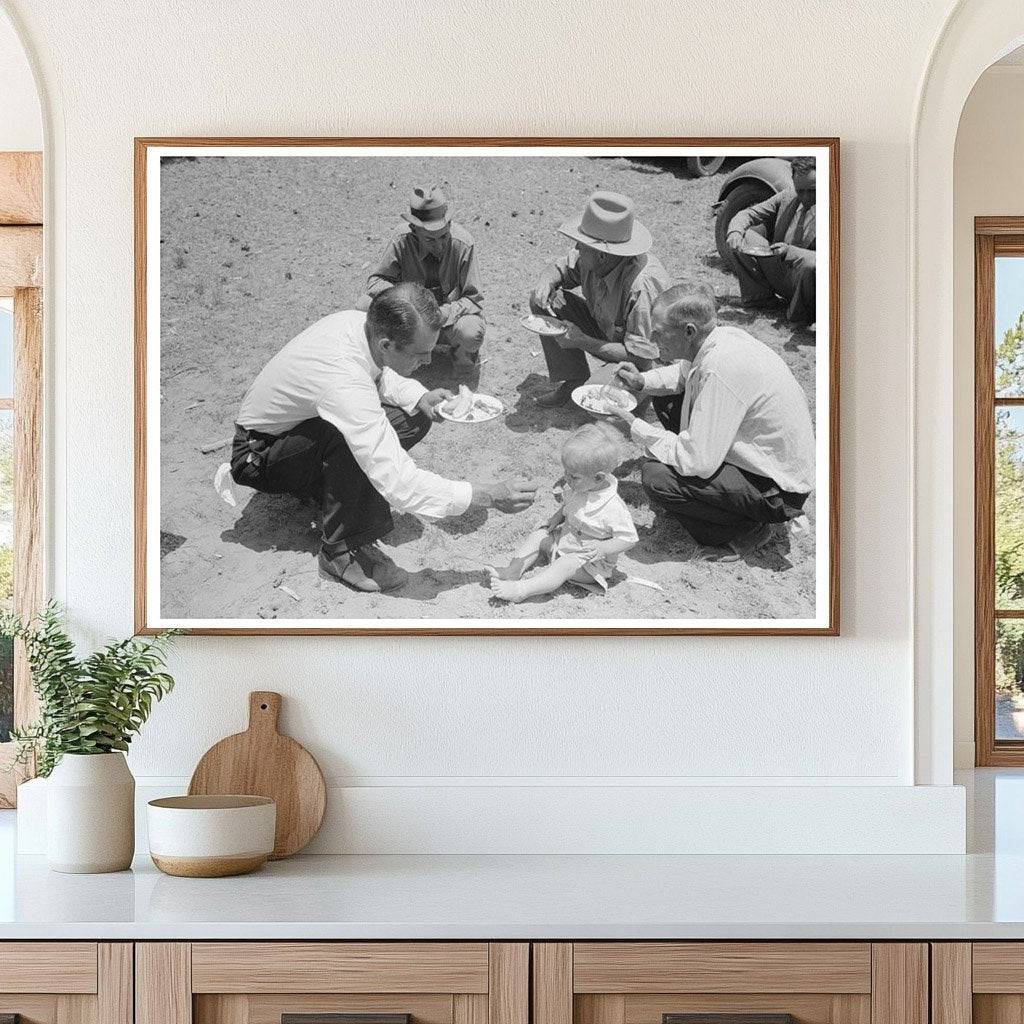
(751, 183)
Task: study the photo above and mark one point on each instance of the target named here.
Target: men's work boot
(366, 569)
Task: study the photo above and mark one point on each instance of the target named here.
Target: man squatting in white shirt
(734, 450)
(333, 415)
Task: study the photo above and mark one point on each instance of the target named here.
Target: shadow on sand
(282, 522)
(529, 418)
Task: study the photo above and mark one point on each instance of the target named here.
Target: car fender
(774, 171)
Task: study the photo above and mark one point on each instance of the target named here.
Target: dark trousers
(570, 363)
(791, 277)
(724, 506)
(314, 460)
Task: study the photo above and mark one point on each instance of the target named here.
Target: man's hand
(734, 239)
(506, 495)
(428, 404)
(540, 297)
(630, 376)
(620, 417)
(779, 248)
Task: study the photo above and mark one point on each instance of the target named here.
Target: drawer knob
(728, 1018)
(341, 1018)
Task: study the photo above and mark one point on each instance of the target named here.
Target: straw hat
(608, 225)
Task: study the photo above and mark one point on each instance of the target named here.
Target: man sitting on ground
(333, 415)
(431, 250)
(784, 226)
(603, 290)
(734, 451)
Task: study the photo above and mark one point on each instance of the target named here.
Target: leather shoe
(366, 569)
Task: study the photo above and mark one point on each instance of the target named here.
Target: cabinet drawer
(340, 967)
(635, 967)
(48, 967)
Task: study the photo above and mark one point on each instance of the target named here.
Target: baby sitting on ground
(583, 539)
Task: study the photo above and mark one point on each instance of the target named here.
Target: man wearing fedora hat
(603, 290)
(431, 250)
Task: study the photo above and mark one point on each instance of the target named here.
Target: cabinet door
(66, 982)
(332, 983)
(730, 983)
(980, 982)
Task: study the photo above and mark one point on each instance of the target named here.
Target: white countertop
(978, 896)
(532, 897)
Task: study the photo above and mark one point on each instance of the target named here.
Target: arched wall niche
(975, 35)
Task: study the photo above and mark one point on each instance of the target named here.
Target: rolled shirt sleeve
(699, 449)
(665, 380)
(636, 334)
(401, 391)
(354, 408)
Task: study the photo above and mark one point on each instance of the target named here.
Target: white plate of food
(546, 326)
(603, 399)
(469, 407)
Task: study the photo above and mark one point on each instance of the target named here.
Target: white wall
(988, 181)
(443, 713)
(21, 125)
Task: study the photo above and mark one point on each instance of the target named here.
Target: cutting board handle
(264, 710)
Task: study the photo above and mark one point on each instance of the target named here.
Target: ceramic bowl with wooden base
(211, 836)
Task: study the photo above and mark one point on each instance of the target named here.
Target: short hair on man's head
(398, 312)
(594, 448)
(803, 165)
(688, 302)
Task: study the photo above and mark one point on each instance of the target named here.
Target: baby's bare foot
(508, 590)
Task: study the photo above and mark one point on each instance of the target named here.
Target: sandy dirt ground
(255, 249)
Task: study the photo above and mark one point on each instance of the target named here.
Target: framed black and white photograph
(486, 386)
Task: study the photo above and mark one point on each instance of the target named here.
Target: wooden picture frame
(148, 613)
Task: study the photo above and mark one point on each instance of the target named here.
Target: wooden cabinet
(259, 982)
(979, 982)
(66, 982)
(648, 982)
(493, 983)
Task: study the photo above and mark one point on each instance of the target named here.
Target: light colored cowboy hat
(428, 209)
(608, 225)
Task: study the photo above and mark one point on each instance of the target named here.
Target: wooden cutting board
(262, 762)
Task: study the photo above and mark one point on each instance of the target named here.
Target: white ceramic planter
(90, 814)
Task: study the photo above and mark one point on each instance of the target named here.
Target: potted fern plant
(89, 710)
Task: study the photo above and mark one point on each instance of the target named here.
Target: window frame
(21, 270)
(993, 237)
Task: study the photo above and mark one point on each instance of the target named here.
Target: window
(21, 375)
(21, 352)
(999, 490)
(6, 509)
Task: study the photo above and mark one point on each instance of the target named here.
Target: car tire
(704, 166)
(748, 192)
